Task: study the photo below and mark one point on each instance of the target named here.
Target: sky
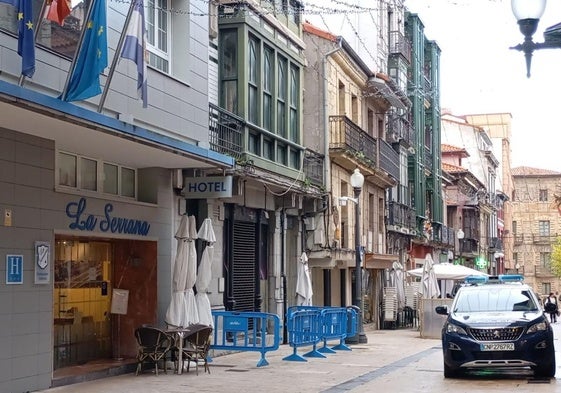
(480, 74)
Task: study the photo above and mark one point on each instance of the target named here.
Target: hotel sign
(207, 187)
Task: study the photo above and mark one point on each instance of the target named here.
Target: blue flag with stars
(26, 41)
(92, 58)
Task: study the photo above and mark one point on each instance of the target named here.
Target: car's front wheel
(546, 370)
(450, 372)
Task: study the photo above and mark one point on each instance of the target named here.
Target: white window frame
(100, 177)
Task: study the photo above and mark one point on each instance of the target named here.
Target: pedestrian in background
(550, 307)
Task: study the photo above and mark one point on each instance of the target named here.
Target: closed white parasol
(304, 290)
(204, 276)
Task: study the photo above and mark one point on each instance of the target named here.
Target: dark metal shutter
(243, 271)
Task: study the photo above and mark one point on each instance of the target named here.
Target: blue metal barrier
(304, 328)
(352, 320)
(334, 321)
(309, 325)
(246, 331)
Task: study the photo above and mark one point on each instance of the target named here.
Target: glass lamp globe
(528, 9)
(357, 179)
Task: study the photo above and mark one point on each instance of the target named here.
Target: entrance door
(82, 323)
(246, 253)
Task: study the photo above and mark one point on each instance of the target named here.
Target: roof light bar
(501, 278)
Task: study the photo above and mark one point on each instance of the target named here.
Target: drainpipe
(283, 276)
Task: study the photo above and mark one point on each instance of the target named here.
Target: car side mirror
(441, 310)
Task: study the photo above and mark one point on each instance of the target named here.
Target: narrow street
(391, 361)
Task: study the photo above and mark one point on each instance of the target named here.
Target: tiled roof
(309, 28)
(529, 171)
(449, 148)
(453, 168)
(446, 148)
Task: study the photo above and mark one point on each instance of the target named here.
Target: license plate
(497, 347)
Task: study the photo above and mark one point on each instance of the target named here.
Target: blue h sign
(14, 269)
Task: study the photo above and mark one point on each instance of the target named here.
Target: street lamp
(460, 235)
(528, 14)
(357, 181)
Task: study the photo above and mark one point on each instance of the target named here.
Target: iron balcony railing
(428, 159)
(389, 159)
(401, 216)
(400, 45)
(399, 128)
(313, 167)
(346, 135)
(226, 132)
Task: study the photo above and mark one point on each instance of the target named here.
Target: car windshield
(486, 299)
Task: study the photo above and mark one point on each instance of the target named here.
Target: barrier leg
(325, 348)
(294, 357)
(262, 362)
(314, 353)
(342, 346)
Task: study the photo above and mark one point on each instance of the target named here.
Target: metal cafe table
(178, 335)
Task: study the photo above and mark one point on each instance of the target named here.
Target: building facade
(481, 210)
(535, 225)
(431, 233)
(90, 191)
(345, 120)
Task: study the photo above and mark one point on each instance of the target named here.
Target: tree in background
(556, 258)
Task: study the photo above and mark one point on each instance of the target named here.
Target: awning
(384, 91)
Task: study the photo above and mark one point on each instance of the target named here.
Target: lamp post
(357, 181)
(528, 14)
(460, 235)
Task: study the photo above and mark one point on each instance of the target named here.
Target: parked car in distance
(496, 322)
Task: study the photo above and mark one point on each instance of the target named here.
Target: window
(111, 179)
(268, 88)
(229, 70)
(281, 98)
(543, 227)
(67, 165)
(157, 19)
(252, 109)
(60, 39)
(88, 174)
(545, 259)
(514, 227)
(84, 173)
(543, 196)
(167, 36)
(292, 9)
(294, 99)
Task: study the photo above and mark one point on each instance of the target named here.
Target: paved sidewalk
(239, 371)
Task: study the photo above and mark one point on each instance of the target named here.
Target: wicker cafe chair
(153, 345)
(196, 346)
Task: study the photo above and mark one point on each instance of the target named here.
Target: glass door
(82, 323)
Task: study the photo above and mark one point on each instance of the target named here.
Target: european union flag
(92, 59)
(26, 41)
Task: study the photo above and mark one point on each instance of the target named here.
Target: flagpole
(77, 52)
(115, 58)
(36, 33)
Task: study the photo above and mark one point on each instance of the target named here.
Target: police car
(496, 322)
